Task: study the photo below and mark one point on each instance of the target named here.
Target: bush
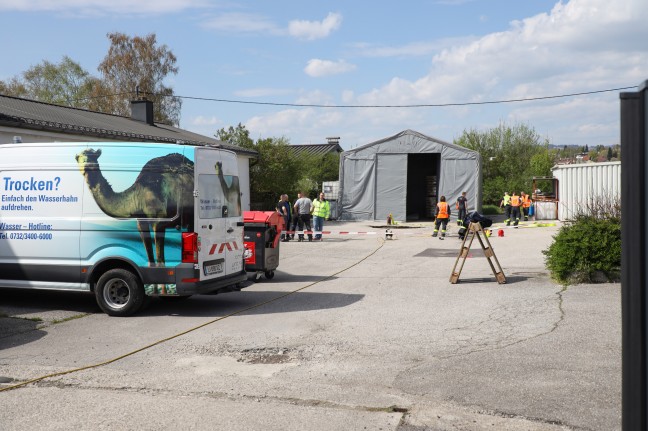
(585, 248)
(491, 210)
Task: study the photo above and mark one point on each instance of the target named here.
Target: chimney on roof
(333, 139)
(142, 110)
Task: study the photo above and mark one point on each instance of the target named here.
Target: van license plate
(214, 266)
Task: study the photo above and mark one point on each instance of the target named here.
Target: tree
(65, 83)
(542, 162)
(609, 153)
(317, 169)
(14, 87)
(138, 62)
(275, 171)
(130, 63)
(239, 136)
(506, 155)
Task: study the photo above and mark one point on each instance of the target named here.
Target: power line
(433, 105)
(422, 105)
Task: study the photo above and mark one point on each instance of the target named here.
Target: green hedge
(584, 249)
(491, 210)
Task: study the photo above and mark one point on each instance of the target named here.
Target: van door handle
(230, 230)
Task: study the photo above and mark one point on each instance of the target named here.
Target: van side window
(219, 197)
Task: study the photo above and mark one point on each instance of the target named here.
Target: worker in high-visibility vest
(442, 215)
(321, 210)
(516, 202)
(526, 204)
(462, 208)
(506, 204)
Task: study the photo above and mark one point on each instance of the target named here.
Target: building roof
(34, 115)
(316, 149)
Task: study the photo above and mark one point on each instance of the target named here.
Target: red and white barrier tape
(326, 232)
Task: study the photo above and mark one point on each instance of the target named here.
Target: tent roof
(416, 135)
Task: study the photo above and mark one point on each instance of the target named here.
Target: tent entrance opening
(422, 185)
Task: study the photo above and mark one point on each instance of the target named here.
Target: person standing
(442, 215)
(462, 208)
(321, 210)
(506, 204)
(303, 207)
(293, 220)
(284, 209)
(516, 202)
(526, 204)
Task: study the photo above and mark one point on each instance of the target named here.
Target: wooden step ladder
(473, 231)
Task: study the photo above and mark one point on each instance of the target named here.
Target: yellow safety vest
(321, 208)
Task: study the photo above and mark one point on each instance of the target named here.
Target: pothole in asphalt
(265, 355)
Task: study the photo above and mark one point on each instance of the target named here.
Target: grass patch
(67, 319)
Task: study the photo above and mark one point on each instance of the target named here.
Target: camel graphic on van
(160, 198)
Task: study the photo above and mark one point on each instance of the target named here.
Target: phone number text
(26, 235)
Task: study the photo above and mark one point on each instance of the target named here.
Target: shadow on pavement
(25, 301)
(16, 332)
(223, 304)
(509, 280)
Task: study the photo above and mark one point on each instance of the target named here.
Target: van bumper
(186, 286)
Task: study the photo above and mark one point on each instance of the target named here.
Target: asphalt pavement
(363, 330)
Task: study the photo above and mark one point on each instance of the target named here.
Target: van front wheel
(119, 292)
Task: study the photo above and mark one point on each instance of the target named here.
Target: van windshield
(219, 196)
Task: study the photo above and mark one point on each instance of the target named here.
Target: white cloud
(318, 68)
(549, 54)
(414, 49)
(99, 7)
(311, 30)
(578, 46)
(205, 121)
(242, 23)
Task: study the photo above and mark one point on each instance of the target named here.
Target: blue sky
(367, 53)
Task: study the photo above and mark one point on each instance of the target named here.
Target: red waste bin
(261, 238)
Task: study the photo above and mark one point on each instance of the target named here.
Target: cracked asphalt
(376, 339)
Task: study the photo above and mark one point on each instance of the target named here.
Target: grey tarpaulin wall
(375, 179)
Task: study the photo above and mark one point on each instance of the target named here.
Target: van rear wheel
(119, 292)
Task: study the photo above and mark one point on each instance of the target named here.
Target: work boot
(508, 223)
(434, 234)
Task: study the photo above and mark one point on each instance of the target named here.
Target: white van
(125, 220)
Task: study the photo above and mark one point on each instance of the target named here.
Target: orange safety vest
(526, 201)
(515, 201)
(443, 210)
